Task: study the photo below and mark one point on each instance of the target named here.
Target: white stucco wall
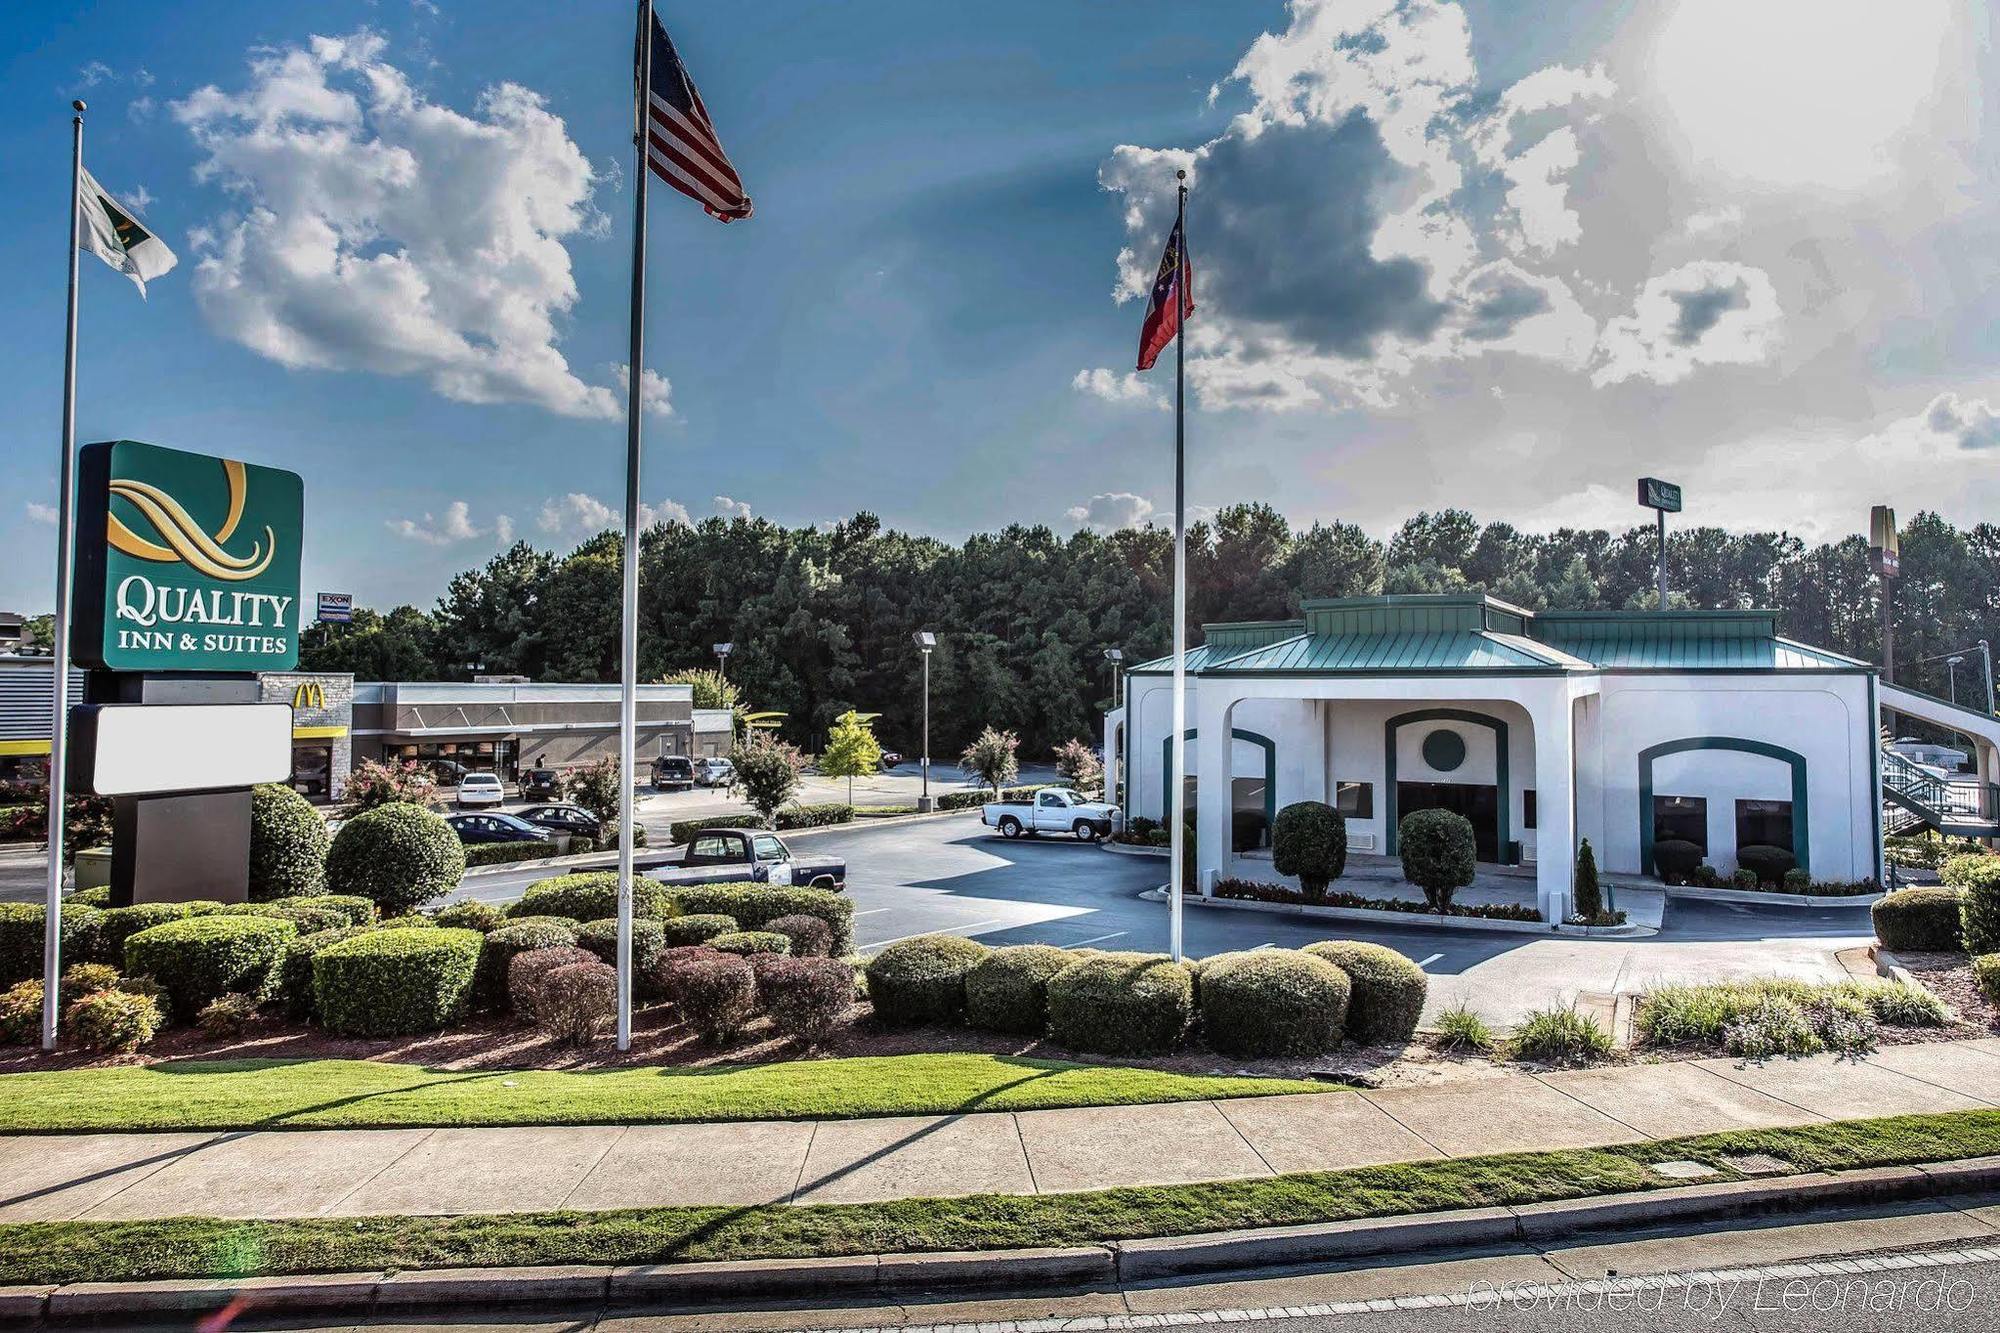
(1289, 724)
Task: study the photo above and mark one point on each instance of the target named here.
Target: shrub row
(390, 982)
(972, 800)
(504, 853)
(202, 958)
(790, 817)
(756, 906)
(1925, 920)
(589, 896)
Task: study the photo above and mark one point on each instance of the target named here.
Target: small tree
(595, 787)
(767, 773)
(1309, 839)
(1589, 901)
(851, 749)
(1078, 765)
(991, 758)
(1438, 854)
(375, 782)
(712, 689)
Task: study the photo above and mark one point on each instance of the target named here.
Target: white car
(480, 789)
(1051, 810)
(714, 772)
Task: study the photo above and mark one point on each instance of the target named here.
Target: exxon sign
(185, 562)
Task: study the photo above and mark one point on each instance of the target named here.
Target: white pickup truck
(1050, 810)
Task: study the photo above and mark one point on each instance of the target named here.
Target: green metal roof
(1614, 647)
(1199, 655)
(1453, 650)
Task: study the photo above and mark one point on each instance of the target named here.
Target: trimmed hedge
(1979, 912)
(806, 997)
(922, 980)
(203, 958)
(714, 993)
(357, 910)
(1309, 840)
(526, 972)
(122, 923)
(399, 856)
(1921, 919)
(1008, 989)
(294, 987)
(1387, 996)
(589, 896)
(756, 906)
(648, 943)
(499, 949)
(113, 1022)
(1439, 850)
(751, 943)
(1121, 1004)
(470, 914)
(288, 844)
(21, 931)
(385, 983)
(791, 817)
(1986, 968)
(1272, 1002)
(307, 919)
(808, 936)
(1769, 864)
(1675, 859)
(679, 932)
(504, 853)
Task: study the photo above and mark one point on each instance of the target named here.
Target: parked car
(714, 772)
(494, 826)
(541, 784)
(891, 758)
(480, 789)
(673, 772)
(1051, 810)
(563, 818)
(448, 772)
(733, 855)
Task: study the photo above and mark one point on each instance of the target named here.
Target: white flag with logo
(113, 234)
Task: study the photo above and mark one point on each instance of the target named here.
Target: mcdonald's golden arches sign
(308, 694)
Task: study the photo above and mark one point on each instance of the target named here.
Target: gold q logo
(186, 542)
(309, 695)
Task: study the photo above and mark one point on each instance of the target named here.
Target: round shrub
(1386, 998)
(1979, 911)
(1925, 920)
(226, 1016)
(1986, 970)
(99, 897)
(408, 921)
(1675, 859)
(751, 942)
(1309, 840)
(755, 906)
(384, 983)
(1272, 1002)
(21, 1014)
(714, 993)
(525, 974)
(1769, 864)
(1967, 868)
(648, 943)
(398, 856)
(201, 958)
(82, 979)
(575, 1002)
(21, 938)
(1008, 989)
(122, 923)
(307, 919)
(1744, 878)
(806, 997)
(1121, 1004)
(114, 1022)
(589, 897)
(681, 931)
(288, 844)
(922, 980)
(498, 951)
(469, 914)
(1797, 881)
(294, 988)
(1438, 851)
(809, 936)
(358, 911)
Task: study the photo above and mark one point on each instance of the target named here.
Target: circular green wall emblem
(1444, 750)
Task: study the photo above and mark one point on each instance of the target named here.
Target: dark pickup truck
(734, 855)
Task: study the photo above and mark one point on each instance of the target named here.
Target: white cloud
(580, 514)
(1114, 387)
(1713, 222)
(731, 509)
(1111, 511)
(1539, 192)
(42, 513)
(455, 526)
(503, 530)
(655, 390)
(1813, 94)
(1948, 426)
(94, 73)
(1703, 313)
(374, 230)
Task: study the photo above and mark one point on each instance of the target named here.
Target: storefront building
(322, 705)
(507, 728)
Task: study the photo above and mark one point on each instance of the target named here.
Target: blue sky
(1443, 257)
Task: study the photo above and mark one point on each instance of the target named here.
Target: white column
(1555, 803)
(1213, 768)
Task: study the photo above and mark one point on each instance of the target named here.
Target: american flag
(681, 145)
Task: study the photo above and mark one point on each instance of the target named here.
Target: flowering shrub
(375, 782)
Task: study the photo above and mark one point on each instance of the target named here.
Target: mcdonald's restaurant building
(322, 728)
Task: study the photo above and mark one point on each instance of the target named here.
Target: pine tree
(1589, 901)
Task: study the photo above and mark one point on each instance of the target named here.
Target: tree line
(822, 618)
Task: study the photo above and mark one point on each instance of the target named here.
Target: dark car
(673, 772)
(541, 784)
(563, 818)
(492, 826)
(733, 855)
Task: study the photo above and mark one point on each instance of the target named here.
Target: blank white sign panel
(143, 748)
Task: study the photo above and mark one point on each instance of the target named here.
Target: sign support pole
(59, 651)
(1661, 514)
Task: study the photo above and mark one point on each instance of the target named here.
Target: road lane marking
(873, 910)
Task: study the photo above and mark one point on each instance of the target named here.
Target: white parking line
(954, 930)
(1094, 939)
(873, 910)
(1426, 962)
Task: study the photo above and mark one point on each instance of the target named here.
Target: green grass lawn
(54, 1252)
(367, 1094)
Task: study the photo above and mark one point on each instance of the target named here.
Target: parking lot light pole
(925, 642)
(722, 652)
(1951, 674)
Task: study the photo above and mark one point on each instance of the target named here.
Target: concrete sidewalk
(307, 1173)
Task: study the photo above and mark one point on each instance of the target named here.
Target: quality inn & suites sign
(185, 562)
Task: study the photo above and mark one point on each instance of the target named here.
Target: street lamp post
(1951, 674)
(926, 641)
(1114, 755)
(722, 652)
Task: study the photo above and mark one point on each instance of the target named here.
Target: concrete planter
(1760, 898)
(1421, 920)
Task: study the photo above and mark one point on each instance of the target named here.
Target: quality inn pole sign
(185, 562)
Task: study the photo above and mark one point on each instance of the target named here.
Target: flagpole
(628, 648)
(1176, 885)
(59, 649)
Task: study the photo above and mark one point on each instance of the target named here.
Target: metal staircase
(1914, 799)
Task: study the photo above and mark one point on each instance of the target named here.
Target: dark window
(1681, 819)
(1528, 808)
(1356, 800)
(1763, 823)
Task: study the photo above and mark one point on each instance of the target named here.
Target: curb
(1069, 1267)
(1127, 849)
(1420, 920)
(1754, 897)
